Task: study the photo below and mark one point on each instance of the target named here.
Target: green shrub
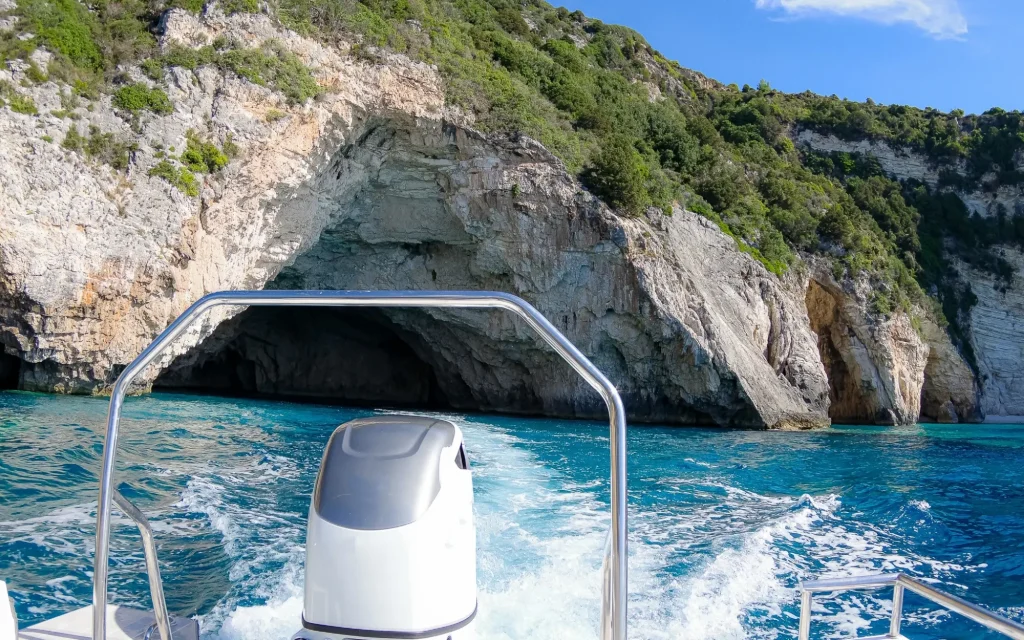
(273, 66)
(231, 7)
(231, 150)
(153, 68)
(193, 6)
(99, 146)
(138, 97)
(86, 40)
(66, 27)
(201, 156)
(270, 65)
(17, 102)
(35, 74)
(180, 177)
(73, 140)
(106, 148)
(619, 175)
(22, 104)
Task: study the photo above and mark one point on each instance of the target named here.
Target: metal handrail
(899, 583)
(615, 570)
(156, 585)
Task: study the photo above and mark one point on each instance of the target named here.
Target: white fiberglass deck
(123, 623)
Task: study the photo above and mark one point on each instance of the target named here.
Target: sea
(724, 524)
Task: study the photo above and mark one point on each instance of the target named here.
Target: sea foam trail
(541, 538)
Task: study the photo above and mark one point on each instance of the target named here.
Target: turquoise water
(724, 524)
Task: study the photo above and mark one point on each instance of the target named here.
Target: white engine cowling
(391, 545)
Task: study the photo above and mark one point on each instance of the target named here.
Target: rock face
(376, 185)
(876, 367)
(905, 164)
(997, 335)
(952, 391)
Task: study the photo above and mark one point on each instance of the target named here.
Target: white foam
(540, 544)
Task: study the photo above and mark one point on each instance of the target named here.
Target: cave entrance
(848, 402)
(10, 371)
(345, 356)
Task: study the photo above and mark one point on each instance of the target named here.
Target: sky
(947, 54)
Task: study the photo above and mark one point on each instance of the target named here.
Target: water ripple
(724, 524)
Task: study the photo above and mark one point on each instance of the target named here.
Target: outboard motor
(391, 545)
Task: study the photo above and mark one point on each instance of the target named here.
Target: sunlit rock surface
(378, 185)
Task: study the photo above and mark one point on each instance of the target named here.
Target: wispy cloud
(940, 18)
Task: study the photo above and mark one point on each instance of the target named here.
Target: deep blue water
(724, 524)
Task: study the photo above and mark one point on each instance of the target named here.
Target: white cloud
(940, 18)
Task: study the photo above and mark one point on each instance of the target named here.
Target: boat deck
(123, 623)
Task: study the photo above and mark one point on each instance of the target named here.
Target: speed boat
(390, 539)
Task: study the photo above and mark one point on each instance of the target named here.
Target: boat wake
(718, 540)
(723, 567)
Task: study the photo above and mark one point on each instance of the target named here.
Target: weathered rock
(906, 164)
(377, 185)
(875, 366)
(996, 332)
(950, 392)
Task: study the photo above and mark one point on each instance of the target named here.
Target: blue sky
(947, 54)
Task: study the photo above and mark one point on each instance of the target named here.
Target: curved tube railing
(156, 585)
(899, 583)
(614, 594)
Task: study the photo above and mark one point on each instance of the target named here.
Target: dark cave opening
(10, 371)
(344, 356)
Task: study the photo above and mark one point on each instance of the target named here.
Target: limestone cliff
(875, 365)
(374, 185)
(954, 392)
(997, 335)
(906, 164)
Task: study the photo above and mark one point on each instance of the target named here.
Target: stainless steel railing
(156, 585)
(615, 571)
(901, 583)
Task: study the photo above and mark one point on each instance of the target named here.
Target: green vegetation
(231, 7)
(201, 156)
(988, 142)
(585, 89)
(180, 177)
(273, 66)
(99, 146)
(17, 102)
(138, 97)
(35, 74)
(270, 65)
(88, 41)
(641, 132)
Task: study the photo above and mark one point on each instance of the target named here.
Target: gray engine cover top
(381, 472)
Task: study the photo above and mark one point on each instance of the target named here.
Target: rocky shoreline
(379, 185)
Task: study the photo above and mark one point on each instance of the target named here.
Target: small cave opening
(10, 371)
(848, 402)
(354, 357)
